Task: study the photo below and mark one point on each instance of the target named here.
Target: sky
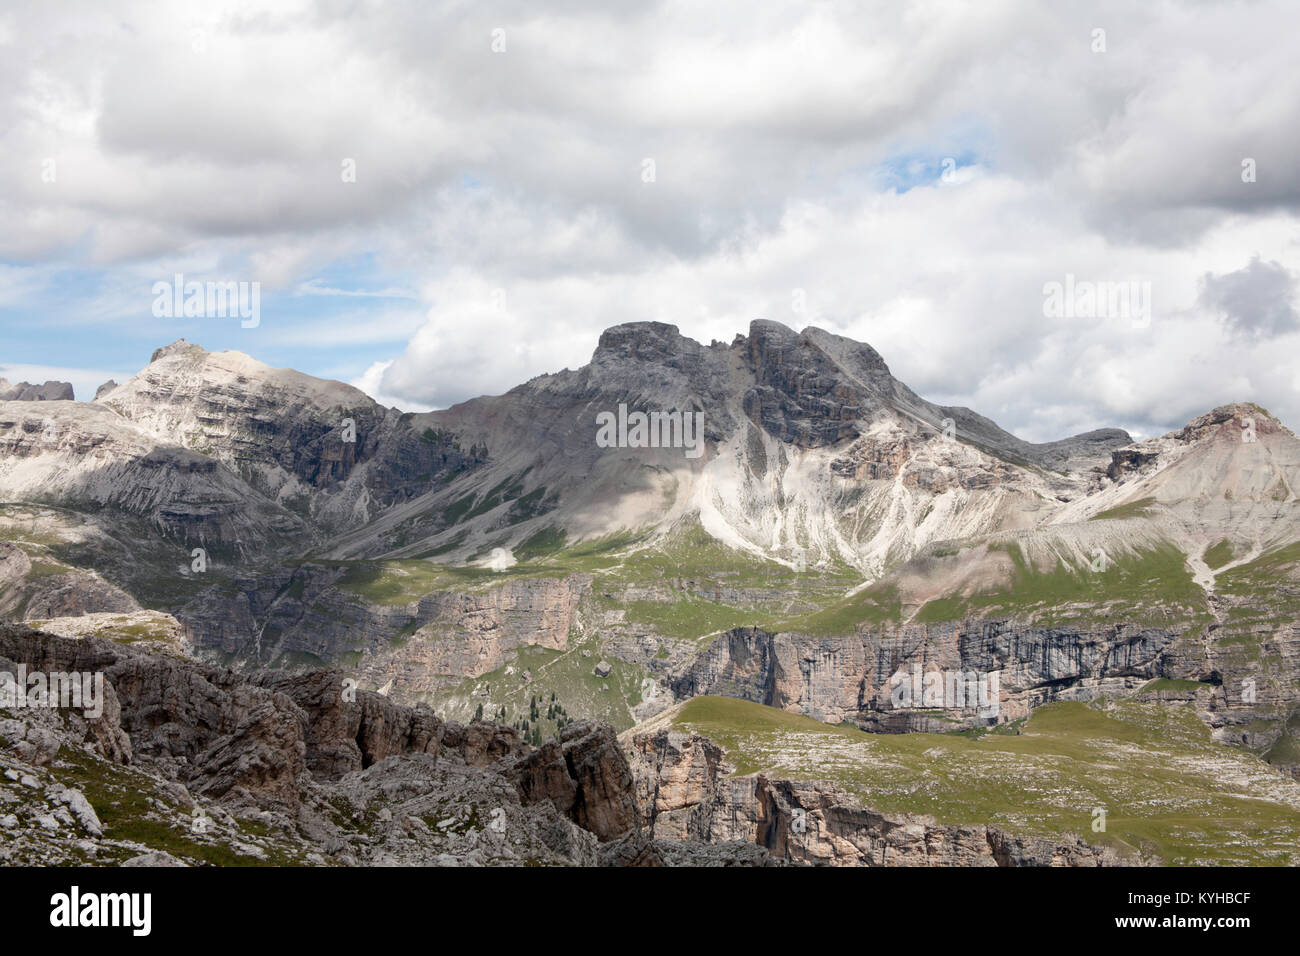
(442, 200)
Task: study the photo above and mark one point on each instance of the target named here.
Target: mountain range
(740, 615)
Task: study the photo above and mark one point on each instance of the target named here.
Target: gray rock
(153, 858)
(26, 392)
(80, 808)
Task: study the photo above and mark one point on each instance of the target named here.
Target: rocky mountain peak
(776, 336)
(652, 342)
(51, 391)
(1239, 415)
(179, 347)
(772, 343)
(105, 389)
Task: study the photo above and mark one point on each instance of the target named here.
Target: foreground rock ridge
(837, 538)
(189, 764)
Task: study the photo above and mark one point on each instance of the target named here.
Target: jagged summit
(644, 341)
(813, 388)
(1247, 415)
(179, 347)
(766, 340)
(51, 391)
(811, 443)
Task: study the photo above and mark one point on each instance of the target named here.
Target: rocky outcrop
(816, 823)
(835, 678)
(344, 731)
(1128, 459)
(676, 776)
(447, 635)
(48, 590)
(584, 774)
(322, 448)
(684, 793)
(27, 392)
(267, 743)
(639, 850)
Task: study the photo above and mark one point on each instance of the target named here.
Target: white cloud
(507, 187)
(371, 381)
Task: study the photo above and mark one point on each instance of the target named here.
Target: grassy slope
(1134, 509)
(1155, 587)
(404, 581)
(628, 562)
(1218, 554)
(1265, 591)
(1169, 791)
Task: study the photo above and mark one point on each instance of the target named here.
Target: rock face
(676, 778)
(289, 746)
(583, 774)
(683, 794)
(86, 457)
(26, 392)
(848, 678)
(321, 448)
(812, 387)
(29, 592)
(450, 635)
(814, 823)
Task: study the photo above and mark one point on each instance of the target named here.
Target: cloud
(504, 178)
(314, 287)
(1256, 302)
(371, 381)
